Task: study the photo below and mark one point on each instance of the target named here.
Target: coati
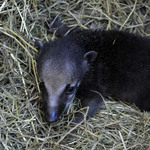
(90, 65)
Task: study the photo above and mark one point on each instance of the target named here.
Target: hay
(116, 126)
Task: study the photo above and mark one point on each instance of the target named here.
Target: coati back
(90, 64)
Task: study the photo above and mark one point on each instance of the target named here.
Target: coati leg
(92, 102)
(55, 25)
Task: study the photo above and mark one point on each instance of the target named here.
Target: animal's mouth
(54, 122)
(60, 117)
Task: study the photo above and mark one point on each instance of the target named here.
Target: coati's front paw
(53, 23)
(78, 119)
(55, 26)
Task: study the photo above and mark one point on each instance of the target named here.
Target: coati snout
(61, 67)
(90, 65)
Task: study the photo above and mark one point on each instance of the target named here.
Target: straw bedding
(116, 126)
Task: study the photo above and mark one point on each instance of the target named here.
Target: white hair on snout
(54, 96)
(56, 78)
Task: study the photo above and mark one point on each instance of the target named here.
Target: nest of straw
(116, 126)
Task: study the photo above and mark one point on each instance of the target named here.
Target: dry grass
(115, 127)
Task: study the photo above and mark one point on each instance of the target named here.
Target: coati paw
(71, 132)
(54, 22)
(55, 26)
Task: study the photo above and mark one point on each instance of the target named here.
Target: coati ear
(39, 46)
(90, 56)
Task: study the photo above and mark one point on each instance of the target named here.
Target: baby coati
(90, 65)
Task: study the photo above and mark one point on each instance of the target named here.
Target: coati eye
(71, 90)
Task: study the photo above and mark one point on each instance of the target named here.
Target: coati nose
(51, 116)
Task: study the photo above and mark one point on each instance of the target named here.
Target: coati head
(61, 66)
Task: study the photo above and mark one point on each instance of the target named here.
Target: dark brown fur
(121, 68)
